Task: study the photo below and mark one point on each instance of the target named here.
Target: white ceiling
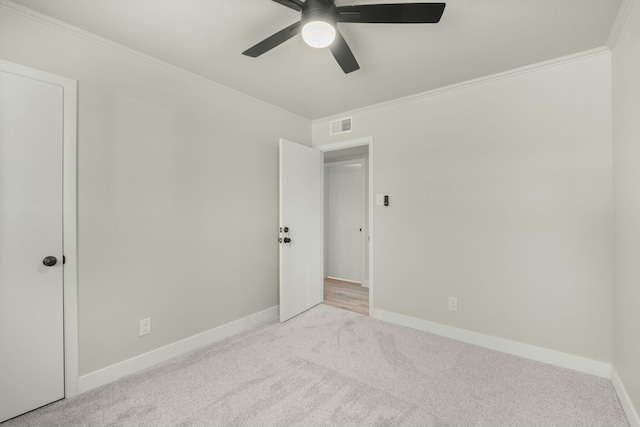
(474, 39)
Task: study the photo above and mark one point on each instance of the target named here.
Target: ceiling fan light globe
(318, 34)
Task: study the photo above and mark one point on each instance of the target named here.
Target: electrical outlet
(453, 304)
(145, 326)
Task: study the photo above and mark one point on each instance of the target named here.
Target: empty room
(180, 180)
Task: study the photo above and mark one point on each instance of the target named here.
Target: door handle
(50, 261)
(286, 239)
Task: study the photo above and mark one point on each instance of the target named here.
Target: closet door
(31, 259)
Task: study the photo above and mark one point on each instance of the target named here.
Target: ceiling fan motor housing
(320, 10)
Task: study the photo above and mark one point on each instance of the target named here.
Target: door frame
(361, 162)
(368, 141)
(69, 214)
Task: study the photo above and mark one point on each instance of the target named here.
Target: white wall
(177, 193)
(500, 195)
(626, 149)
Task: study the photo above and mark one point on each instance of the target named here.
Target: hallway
(347, 295)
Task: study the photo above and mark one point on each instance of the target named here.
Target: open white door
(301, 198)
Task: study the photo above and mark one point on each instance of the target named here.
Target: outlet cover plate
(145, 326)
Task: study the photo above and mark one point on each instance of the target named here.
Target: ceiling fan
(318, 24)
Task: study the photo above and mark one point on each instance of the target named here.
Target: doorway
(344, 213)
(348, 218)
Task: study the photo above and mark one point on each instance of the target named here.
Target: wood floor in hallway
(347, 295)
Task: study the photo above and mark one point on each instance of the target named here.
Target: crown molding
(618, 24)
(12, 7)
(104, 42)
(476, 82)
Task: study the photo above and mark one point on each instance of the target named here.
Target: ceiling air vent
(341, 126)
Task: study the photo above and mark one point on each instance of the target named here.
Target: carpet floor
(332, 367)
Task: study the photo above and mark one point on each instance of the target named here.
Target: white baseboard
(540, 354)
(146, 360)
(625, 400)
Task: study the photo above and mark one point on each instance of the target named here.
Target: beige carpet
(332, 367)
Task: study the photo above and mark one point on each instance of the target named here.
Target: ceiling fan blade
(341, 51)
(273, 41)
(402, 13)
(293, 4)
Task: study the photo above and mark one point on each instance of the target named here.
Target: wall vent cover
(341, 126)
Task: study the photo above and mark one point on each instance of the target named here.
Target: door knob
(50, 261)
(287, 240)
